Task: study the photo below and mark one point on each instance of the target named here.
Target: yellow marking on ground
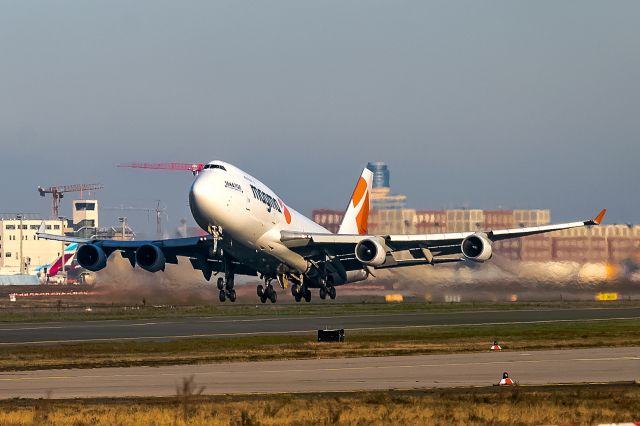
(390, 298)
(17, 379)
(606, 296)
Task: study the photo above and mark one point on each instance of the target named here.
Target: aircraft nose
(199, 200)
(198, 189)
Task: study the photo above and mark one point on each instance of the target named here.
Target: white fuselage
(250, 215)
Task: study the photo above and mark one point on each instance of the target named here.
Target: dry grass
(501, 406)
(409, 341)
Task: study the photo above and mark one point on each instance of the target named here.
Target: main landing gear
(226, 288)
(267, 292)
(327, 288)
(300, 292)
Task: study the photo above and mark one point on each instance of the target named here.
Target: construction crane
(57, 193)
(194, 168)
(158, 211)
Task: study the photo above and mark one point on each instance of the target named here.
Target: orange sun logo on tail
(362, 218)
(356, 218)
(287, 213)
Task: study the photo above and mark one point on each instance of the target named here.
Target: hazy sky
(477, 104)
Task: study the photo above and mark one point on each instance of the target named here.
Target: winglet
(41, 228)
(598, 218)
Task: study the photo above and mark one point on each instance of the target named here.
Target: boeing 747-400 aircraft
(251, 231)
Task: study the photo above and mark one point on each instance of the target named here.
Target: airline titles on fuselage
(232, 185)
(265, 198)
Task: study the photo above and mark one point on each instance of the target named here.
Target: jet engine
(357, 275)
(476, 247)
(150, 258)
(91, 257)
(371, 251)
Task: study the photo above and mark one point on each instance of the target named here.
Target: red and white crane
(194, 168)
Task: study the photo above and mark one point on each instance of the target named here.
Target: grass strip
(575, 404)
(404, 341)
(15, 314)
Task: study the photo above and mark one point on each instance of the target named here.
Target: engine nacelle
(476, 247)
(357, 275)
(150, 258)
(372, 251)
(91, 257)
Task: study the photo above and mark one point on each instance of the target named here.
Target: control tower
(380, 174)
(381, 196)
(85, 217)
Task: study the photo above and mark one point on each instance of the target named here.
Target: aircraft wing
(197, 249)
(408, 250)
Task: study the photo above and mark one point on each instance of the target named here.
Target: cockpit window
(215, 166)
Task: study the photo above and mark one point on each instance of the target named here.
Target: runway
(333, 375)
(219, 327)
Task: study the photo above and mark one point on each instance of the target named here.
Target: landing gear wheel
(294, 290)
(263, 298)
(220, 283)
(229, 283)
(273, 296)
(260, 290)
(332, 292)
(232, 295)
(297, 298)
(222, 296)
(307, 296)
(323, 293)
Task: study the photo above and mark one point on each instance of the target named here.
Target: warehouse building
(20, 248)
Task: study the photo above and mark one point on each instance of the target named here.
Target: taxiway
(333, 375)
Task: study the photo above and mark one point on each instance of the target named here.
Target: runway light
(391, 298)
(606, 296)
(50, 293)
(506, 380)
(513, 298)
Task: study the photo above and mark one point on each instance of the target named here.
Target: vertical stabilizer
(356, 218)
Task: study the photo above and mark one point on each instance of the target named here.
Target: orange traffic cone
(495, 346)
(506, 380)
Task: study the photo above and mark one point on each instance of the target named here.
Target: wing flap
(297, 239)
